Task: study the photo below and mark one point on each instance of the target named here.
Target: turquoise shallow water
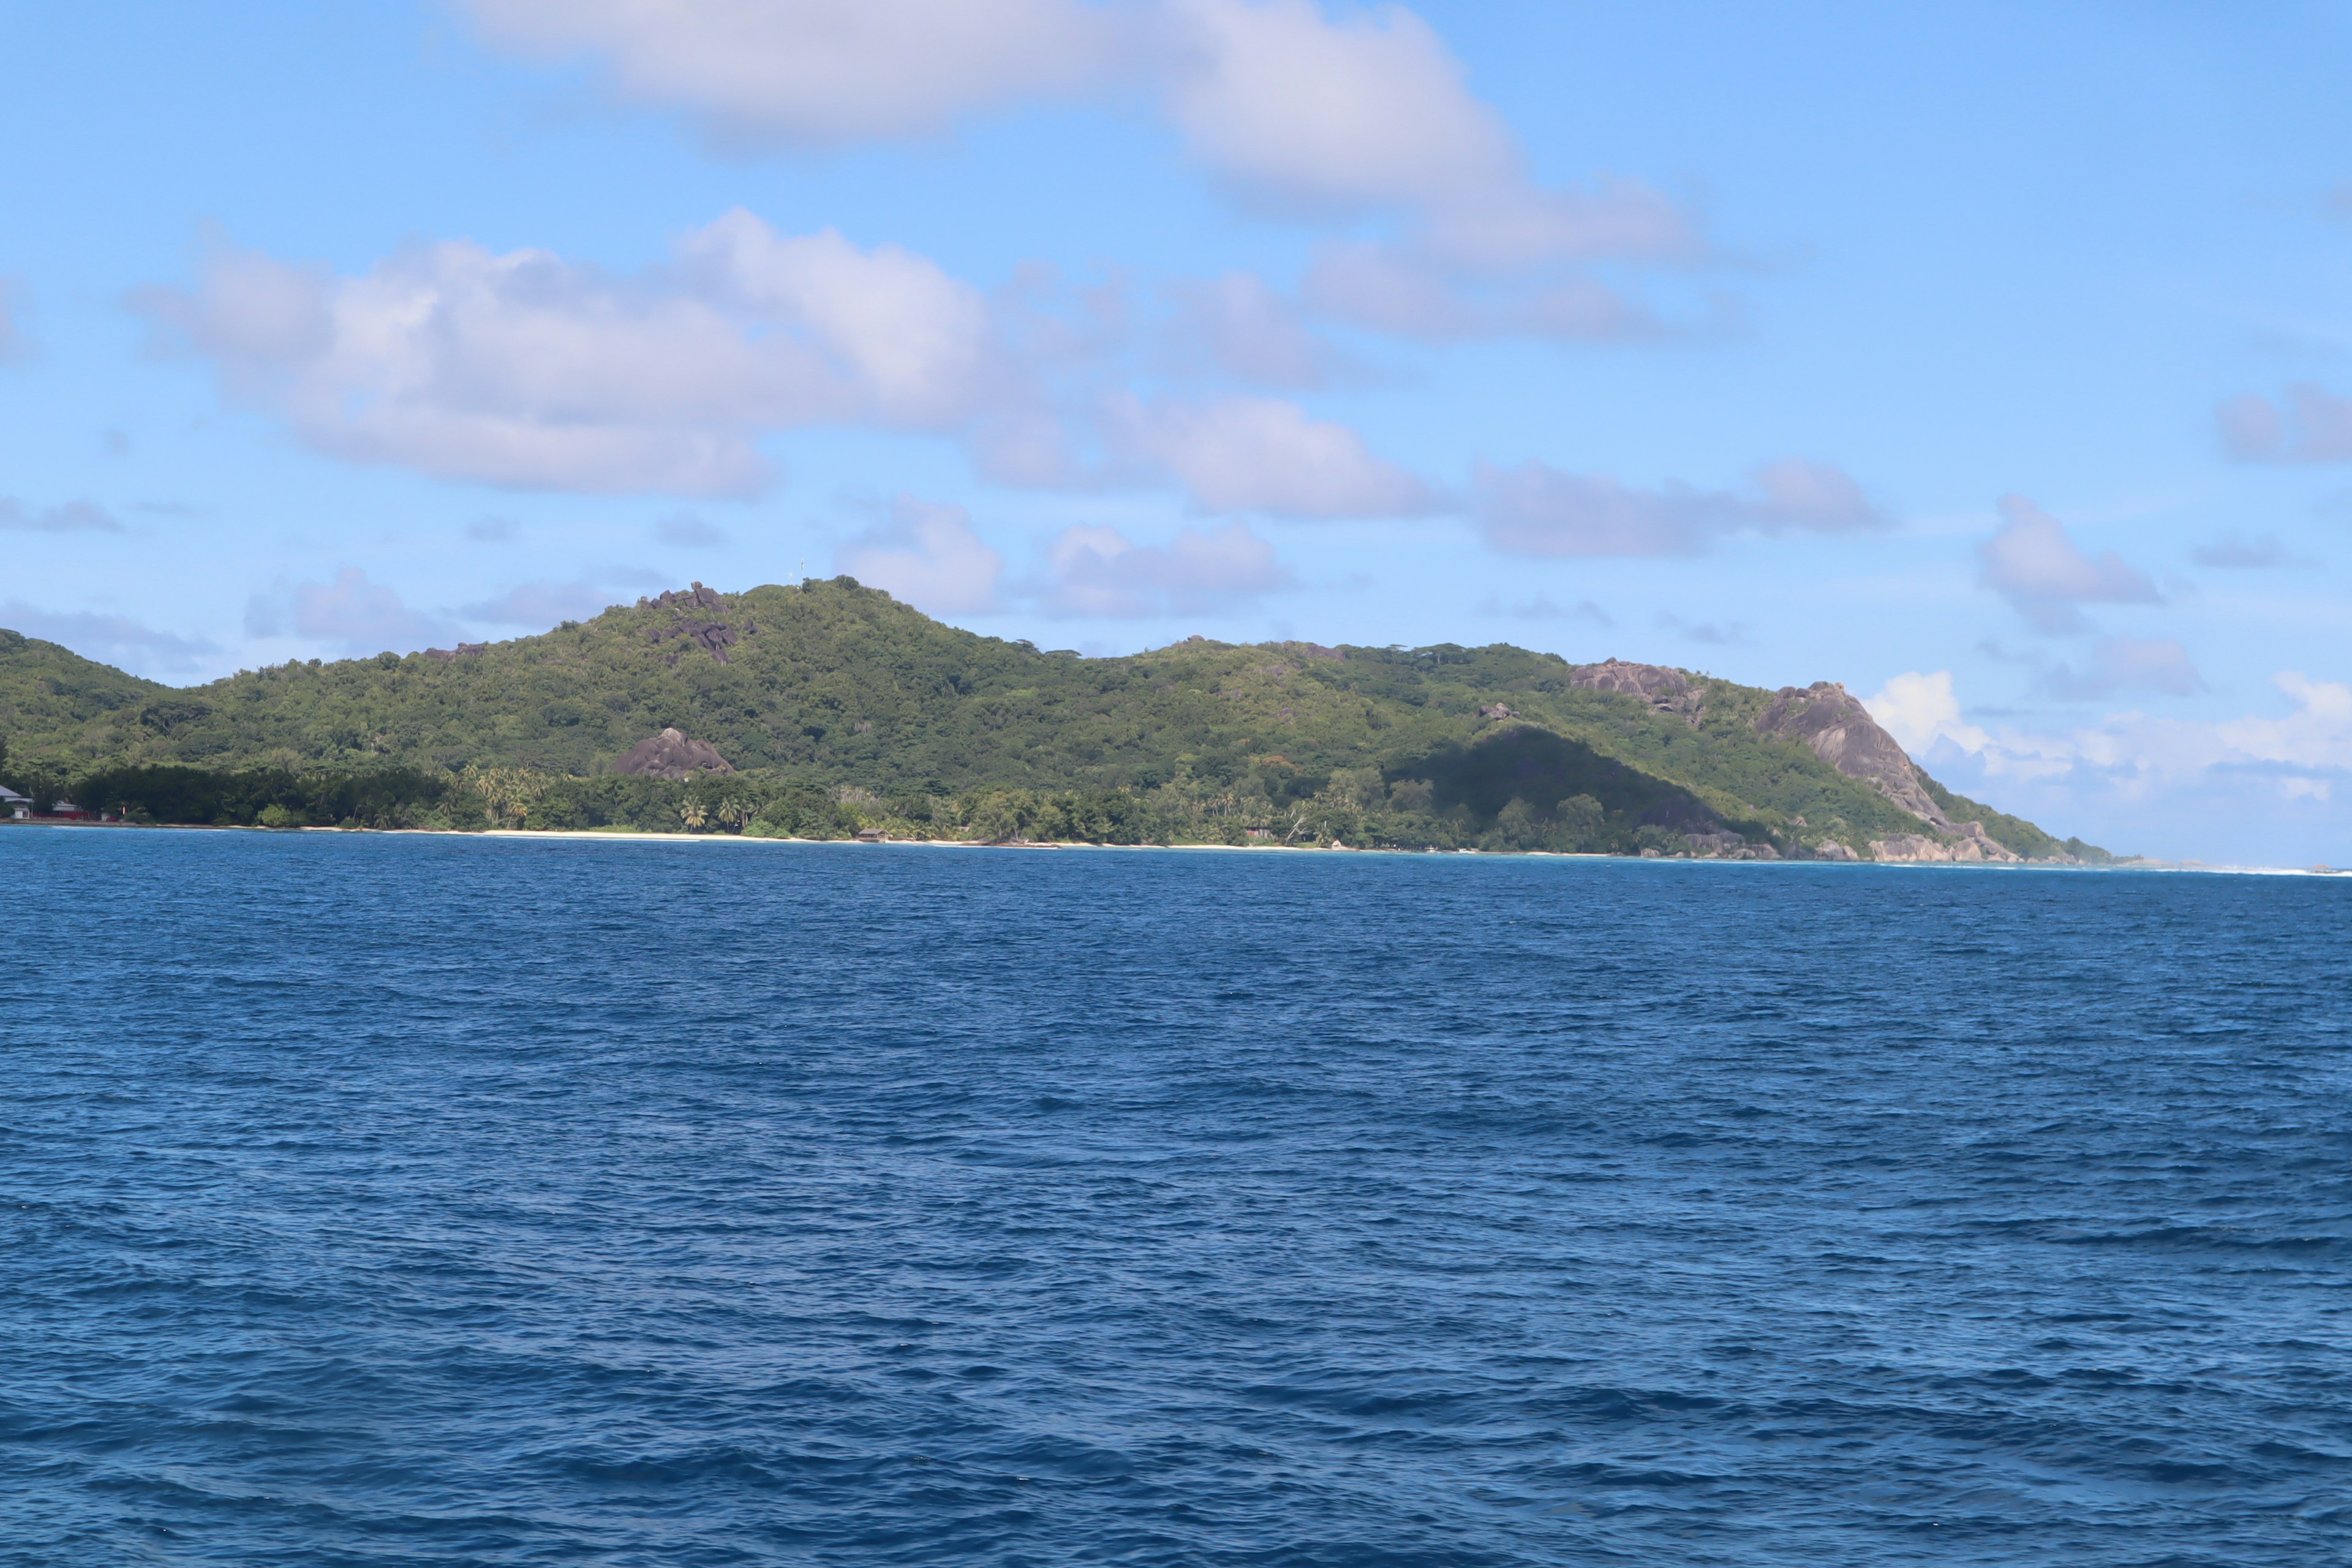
(372, 1200)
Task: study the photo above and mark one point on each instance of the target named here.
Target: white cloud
(928, 556)
(530, 371)
(1099, 571)
(2242, 787)
(818, 72)
(1262, 454)
(1917, 710)
(111, 639)
(2313, 426)
(2041, 572)
(1369, 110)
(73, 517)
(1345, 113)
(1537, 509)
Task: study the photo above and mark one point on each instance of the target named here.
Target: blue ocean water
(386, 1200)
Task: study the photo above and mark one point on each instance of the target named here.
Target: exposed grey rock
(1917, 846)
(1665, 690)
(670, 756)
(1842, 733)
(1497, 710)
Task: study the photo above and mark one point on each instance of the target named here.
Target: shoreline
(633, 836)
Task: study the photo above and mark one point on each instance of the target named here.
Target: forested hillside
(837, 707)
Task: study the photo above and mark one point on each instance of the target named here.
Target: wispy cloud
(111, 639)
(350, 611)
(72, 517)
(2234, 552)
(1537, 509)
(1100, 572)
(2125, 664)
(1541, 608)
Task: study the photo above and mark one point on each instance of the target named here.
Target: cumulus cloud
(1537, 509)
(1350, 114)
(2312, 424)
(1367, 112)
(2223, 785)
(2125, 664)
(2254, 787)
(351, 611)
(1919, 709)
(1099, 571)
(2042, 573)
(530, 371)
(111, 639)
(822, 72)
(929, 556)
(73, 517)
(1262, 454)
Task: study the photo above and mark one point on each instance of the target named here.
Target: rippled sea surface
(383, 1200)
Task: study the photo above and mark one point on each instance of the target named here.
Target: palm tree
(692, 813)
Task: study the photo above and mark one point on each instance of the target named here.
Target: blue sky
(1993, 363)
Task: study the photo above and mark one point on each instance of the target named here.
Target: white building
(13, 804)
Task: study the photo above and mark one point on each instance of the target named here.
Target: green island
(828, 709)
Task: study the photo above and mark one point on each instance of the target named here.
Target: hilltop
(828, 706)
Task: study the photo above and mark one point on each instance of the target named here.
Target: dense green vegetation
(844, 709)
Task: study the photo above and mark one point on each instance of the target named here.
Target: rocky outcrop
(1664, 691)
(1842, 733)
(713, 637)
(1969, 845)
(670, 756)
(693, 596)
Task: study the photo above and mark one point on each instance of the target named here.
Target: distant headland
(829, 709)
